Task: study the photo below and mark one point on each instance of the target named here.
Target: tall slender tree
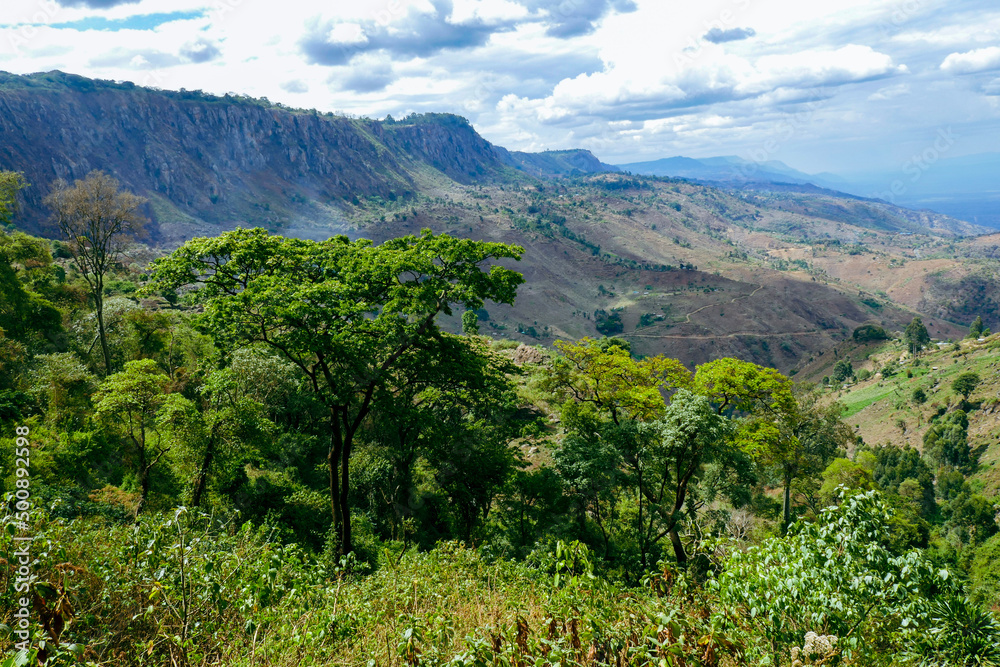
(129, 401)
(916, 336)
(689, 436)
(809, 437)
(97, 219)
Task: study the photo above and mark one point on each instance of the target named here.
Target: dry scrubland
(587, 242)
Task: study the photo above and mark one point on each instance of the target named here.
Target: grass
(856, 401)
(189, 589)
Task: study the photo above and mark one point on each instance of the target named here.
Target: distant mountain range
(967, 188)
(727, 169)
(206, 162)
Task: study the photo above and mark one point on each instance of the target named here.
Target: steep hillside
(675, 267)
(202, 159)
(207, 163)
(883, 410)
(869, 213)
(557, 163)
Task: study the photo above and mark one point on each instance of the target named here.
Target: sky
(840, 86)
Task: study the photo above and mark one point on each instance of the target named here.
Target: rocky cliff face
(447, 143)
(206, 161)
(557, 163)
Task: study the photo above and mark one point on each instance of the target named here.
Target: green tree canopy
(11, 182)
(470, 323)
(869, 332)
(966, 383)
(24, 314)
(894, 466)
(853, 475)
(128, 401)
(843, 371)
(916, 336)
(605, 375)
(62, 385)
(345, 313)
(670, 461)
(590, 465)
(740, 386)
(984, 574)
(455, 406)
(976, 329)
(946, 442)
(230, 429)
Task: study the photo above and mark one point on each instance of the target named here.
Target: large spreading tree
(347, 314)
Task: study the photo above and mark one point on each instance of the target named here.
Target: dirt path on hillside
(735, 334)
(729, 335)
(687, 318)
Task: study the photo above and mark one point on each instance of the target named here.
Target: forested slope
(288, 461)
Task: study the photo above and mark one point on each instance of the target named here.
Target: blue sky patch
(139, 22)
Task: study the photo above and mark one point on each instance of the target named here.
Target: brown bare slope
(683, 268)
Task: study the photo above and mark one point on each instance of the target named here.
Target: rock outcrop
(205, 161)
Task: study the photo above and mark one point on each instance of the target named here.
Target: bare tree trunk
(201, 481)
(333, 463)
(642, 527)
(675, 541)
(143, 476)
(347, 545)
(675, 538)
(786, 510)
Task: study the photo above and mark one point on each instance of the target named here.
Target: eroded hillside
(675, 267)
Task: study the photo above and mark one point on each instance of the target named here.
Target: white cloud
(986, 30)
(847, 64)
(978, 60)
(347, 33)
(643, 83)
(649, 93)
(487, 10)
(890, 92)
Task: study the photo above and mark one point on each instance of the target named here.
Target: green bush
(984, 575)
(836, 577)
(869, 332)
